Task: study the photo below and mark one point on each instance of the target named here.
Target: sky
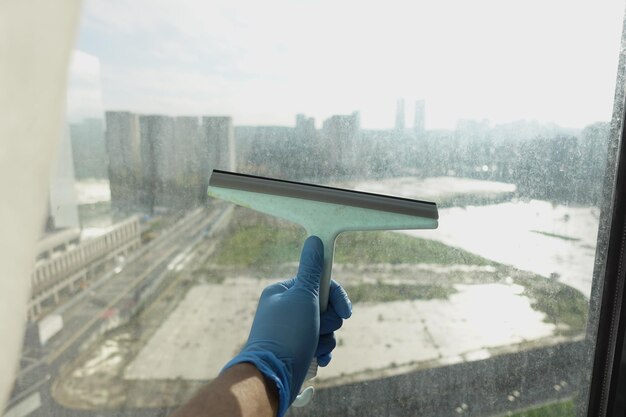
(264, 62)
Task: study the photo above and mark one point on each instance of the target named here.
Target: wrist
(248, 370)
(274, 372)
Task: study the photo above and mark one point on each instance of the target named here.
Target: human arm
(239, 391)
(287, 333)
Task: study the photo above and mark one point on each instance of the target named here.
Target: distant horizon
(262, 63)
(319, 127)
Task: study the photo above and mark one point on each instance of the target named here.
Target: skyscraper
(217, 144)
(63, 206)
(340, 135)
(305, 135)
(123, 143)
(164, 162)
(305, 127)
(159, 158)
(187, 142)
(85, 115)
(189, 183)
(88, 148)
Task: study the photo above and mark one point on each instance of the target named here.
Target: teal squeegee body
(324, 212)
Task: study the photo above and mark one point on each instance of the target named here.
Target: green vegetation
(382, 293)
(560, 409)
(474, 199)
(263, 244)
(561, 303)
(259, 242)
(573, 239)
(395, 248)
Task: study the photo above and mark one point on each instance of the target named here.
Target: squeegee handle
(306, 395)
(329, 252)
(324, 293)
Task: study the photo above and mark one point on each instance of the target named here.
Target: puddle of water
(508, 232)
(435, 188)
(104, 360)
(473, 320)
(505, 233)
(92, 191)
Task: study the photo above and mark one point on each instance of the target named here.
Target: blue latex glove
(288, 331)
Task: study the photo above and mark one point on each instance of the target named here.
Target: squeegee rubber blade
(320, 193)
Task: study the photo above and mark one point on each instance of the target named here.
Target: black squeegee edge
(253, 183)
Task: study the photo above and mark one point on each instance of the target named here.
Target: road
(87, 314)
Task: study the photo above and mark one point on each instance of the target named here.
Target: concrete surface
(212, 322)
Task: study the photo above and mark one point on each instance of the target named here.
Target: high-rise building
(62, 203)
(305, 126)
(305, 134)
(400, 115)
(82, 153)
(159, 159)
(419, 126)
(85, 115)
(190, 184)
(217, 144)
(123, 144)
(89, 149)
(340, 135)
(187, 142)
(164, 162)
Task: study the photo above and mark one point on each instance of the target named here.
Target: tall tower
(341, 134)
(159, 156)
(187, 141)
(305, 130)
(123, 143)
(400, 115)
(218, 144)
(62, 203)
(419, 126)
(85, 114)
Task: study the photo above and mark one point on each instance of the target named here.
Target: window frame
(605, 395)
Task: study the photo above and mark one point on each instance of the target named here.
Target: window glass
(497, 111)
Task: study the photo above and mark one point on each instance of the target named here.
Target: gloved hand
(288, 331)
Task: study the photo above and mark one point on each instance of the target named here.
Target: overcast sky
(264, 61)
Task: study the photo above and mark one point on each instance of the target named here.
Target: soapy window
(500, 113)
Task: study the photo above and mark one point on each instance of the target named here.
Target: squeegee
(323, 212)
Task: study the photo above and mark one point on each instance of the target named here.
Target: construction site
(420, 306)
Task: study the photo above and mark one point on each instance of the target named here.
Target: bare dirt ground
(185, 338)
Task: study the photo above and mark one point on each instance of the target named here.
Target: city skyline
(317, 124)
